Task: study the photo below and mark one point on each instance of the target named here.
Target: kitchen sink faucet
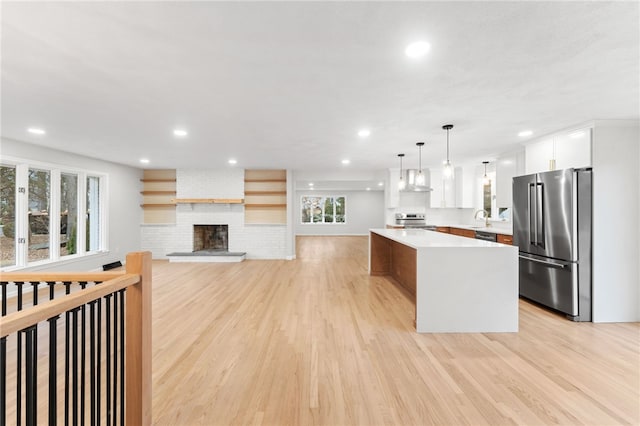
(485, 216)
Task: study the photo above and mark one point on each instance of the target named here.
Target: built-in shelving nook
(265, 196)
(159, 190)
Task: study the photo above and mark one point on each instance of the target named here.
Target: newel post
(138, 341)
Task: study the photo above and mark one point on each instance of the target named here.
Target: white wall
(124, 214)
(616, 221)
(365, 210)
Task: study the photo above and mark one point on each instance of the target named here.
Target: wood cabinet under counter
(505, 239)
(469, 233)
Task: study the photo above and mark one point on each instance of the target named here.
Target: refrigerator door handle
(539, 215)
(544, 262)
(533, 221)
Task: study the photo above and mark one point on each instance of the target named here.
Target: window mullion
(81, 247)
(54, 216)
(22, 214)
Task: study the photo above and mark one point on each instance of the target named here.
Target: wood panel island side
(459, 285)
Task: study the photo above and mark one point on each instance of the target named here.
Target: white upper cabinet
(454, 192)
(559, 151)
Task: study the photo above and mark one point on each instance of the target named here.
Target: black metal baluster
(108, 355)
(19, 363)
(92, 359)
(67, 321)
(74, 362)
(115, 358)
(53, 359)
(34, 286)
(99, 362)
(83, 332)
(3, 362)
(122, 293)
(31, 386)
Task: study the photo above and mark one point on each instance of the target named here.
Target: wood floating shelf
(265, 192)
(265, 180)
(157, 205)
(208, 200)
(157, 180)
(256, 206)
(158, 192)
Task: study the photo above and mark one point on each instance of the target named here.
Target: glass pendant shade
(447, 172)
(402, 183)
(420, 178)
(485, 178)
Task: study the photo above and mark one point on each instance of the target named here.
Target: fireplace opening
(210, 238)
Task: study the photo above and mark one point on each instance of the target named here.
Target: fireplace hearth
(210, 238)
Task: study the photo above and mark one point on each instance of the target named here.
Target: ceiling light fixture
(36, 131)
(485, 178)
(232, 161)
(310, 183)
(420, 179)
(525, 133)
(380, 183)
(346, 161)
(447, 172)
(144, 160)
(181, 133)
(402, 184)
(364, 133)
(368, 189)
(417, 49)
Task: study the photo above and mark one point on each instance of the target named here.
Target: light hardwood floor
(317, 341)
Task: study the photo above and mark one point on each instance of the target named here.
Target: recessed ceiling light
(181, 133)
(364, 133)
(368, 189)
(232, 161)
(36, 131)
(380, 183)
(525, 133)
(310, 183)
(144, 160)
(346, 161)
(417, 49)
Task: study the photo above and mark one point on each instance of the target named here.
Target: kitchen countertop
(492, 229)
(420, 238)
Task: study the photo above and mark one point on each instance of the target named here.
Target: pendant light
(402, 184)
(420, 179)
(485, 178)
(447, 172)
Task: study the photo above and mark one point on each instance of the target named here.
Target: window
(7, 216)
(326, 209)
(68, 214)
(47, 214)
(38, 219)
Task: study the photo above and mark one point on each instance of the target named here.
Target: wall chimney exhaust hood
(410, 179)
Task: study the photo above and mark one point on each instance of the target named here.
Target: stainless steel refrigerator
(552, 224)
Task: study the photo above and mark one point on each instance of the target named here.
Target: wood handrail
(58, 277)
(22, 319)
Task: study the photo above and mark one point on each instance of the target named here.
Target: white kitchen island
(461, 285)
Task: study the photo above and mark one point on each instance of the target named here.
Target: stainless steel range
(412, 220)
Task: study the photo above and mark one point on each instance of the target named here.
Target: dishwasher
(486, 236)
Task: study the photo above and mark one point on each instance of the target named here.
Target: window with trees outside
(48, 214)
(323, 209)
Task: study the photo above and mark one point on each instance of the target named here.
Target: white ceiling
(288, 85)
